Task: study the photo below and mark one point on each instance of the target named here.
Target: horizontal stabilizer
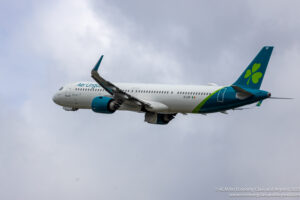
(259, 103)
(280, 98)
(241, 93)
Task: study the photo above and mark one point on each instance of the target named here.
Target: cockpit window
(61, 88)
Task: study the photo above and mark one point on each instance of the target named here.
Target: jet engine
(103, 104)
(70, 108)
(157, 118)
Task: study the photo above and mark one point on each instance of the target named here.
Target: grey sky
(47, 153)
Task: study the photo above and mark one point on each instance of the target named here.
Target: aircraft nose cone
(55, 99)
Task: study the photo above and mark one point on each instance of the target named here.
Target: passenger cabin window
(61, 88)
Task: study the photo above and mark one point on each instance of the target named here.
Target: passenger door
(221, 94)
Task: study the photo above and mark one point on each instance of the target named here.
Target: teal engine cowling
(103, 104)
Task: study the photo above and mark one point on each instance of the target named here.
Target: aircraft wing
(119, 95)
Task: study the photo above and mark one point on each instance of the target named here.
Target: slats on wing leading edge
(101, 81)
(114, 90)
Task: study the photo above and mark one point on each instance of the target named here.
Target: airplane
(160, 102)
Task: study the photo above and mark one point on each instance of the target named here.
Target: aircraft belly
(183, 107)
(177, 104)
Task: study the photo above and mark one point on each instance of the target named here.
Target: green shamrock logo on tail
(253, 74)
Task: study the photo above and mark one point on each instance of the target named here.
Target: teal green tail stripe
(200, 105)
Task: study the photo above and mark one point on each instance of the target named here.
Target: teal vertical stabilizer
(253, 76)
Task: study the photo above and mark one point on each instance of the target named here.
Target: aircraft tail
(253, 75)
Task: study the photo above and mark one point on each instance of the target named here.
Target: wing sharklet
(98, 64)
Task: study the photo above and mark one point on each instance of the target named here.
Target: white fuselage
(165, 98)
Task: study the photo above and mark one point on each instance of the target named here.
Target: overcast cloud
(47, 153)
